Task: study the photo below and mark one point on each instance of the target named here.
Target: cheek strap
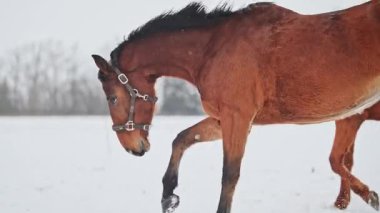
(134, 93)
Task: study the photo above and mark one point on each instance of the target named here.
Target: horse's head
(131, 103)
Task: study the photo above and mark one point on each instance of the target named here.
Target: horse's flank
(325, 67)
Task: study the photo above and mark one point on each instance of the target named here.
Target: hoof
(373, 200)
(341, 203)
(170, 203)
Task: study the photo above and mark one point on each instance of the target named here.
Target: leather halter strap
(134, 93)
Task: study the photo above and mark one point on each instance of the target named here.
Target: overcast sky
(94, 24)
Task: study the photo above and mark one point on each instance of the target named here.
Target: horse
(259, 65)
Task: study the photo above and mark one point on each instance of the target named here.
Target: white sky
(95, 24)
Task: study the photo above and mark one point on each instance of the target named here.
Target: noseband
(134, 93)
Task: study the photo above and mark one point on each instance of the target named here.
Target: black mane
(192, 16)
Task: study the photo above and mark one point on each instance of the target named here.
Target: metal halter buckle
(146, 127)
(130, 126)
(139, 95)
(122, 78)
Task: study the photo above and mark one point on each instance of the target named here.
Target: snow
(76, 164)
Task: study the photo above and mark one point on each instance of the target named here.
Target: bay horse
(262, 64)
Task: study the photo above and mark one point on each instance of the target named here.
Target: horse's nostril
(142, 146)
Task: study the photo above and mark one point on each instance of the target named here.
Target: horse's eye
(112, 99)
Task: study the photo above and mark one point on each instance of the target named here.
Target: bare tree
(6, 106)
(180, 98)
(47, 78)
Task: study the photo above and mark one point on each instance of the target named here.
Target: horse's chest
(211, 109)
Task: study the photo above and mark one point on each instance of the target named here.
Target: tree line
(51, 78)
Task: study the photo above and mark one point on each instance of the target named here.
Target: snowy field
(76, 165)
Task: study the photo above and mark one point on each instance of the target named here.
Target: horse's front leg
(235, 128)
(206, 130)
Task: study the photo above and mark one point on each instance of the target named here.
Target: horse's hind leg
(344, 196)
(341, 157)
(346, 130)
(341, 160)
(206, 130)
(374, 114)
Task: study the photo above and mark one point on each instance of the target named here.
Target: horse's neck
(175, 54)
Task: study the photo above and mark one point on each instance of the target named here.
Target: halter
(134, 93)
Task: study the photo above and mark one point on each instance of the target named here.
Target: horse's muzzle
(143, 148)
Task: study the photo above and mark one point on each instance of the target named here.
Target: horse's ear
(102, 64)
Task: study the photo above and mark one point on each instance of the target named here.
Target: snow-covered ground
(75, 164)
